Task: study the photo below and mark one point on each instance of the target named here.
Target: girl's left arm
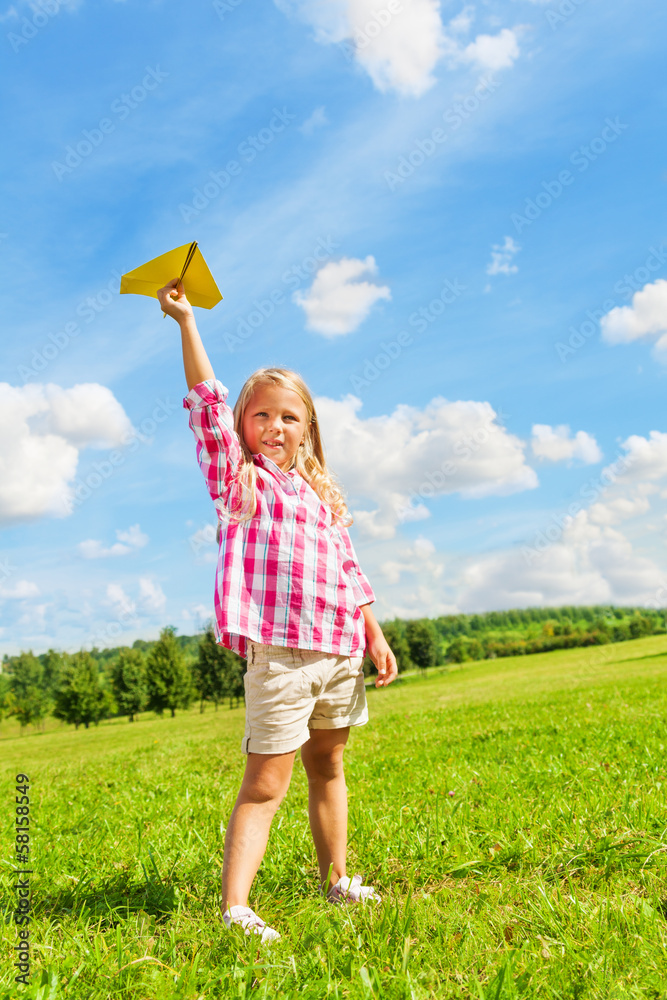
(378, 649)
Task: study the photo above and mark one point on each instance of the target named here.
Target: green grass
(543, 875)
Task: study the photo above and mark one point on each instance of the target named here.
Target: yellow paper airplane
(187, 263)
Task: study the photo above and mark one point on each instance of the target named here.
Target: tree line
(419, 644)
(173, 671)
(156, 677)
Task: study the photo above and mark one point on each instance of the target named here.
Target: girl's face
(274, 424)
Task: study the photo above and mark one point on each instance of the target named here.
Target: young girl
(290, 598)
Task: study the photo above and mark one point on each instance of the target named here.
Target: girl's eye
(263, 414)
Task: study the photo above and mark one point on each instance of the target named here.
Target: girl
(291, 599)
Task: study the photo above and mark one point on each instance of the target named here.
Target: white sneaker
(350, 890)
(251, 923)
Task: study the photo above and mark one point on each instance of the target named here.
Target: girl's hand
(384, 660)
(173, 301)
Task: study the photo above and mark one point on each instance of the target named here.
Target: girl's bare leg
(322, 758)
(265, 782)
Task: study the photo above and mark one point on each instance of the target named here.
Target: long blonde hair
(310, 462)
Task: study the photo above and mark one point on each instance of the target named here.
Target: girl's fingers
(170, 287)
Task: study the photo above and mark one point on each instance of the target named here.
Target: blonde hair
(310, 461)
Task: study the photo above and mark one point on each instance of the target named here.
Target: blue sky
(447, 217)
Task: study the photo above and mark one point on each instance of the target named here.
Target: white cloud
(151, 595)
(337, 302)
(493, 52)
(34, 618)
(127, 542)
(204, 543)
(617, 509)
(398, 48)
(645, 458)
(199, 614)
(119, 600)
(87, 415)
(316, 120)
(19, 590)
(444, 448)
(416, 561)
(151, 599)
(43, 429)
(460, 24)
(501, 257)
(555, 444)
(134, 536)
(646, 317)
(588, 564)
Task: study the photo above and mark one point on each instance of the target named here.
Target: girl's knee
(322, 762)
(264, 783)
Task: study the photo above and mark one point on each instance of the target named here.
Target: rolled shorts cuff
(254, 744)
(358, 719)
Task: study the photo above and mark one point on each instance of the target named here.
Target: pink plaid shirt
(289, 576)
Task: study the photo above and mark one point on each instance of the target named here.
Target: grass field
(512, 813)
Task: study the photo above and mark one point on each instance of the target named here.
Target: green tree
(235, 669)
(218, 671)
(30, 702)
(129, 682)
(422, 640)
(475, 649)
(6, 697)
(210, 668)
(457, 651)
(80, 698)
(169, 680)
(640, 625)
(51, 661)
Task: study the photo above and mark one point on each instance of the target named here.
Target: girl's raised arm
(197, 366)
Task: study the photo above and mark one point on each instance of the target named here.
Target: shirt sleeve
(218, 446)
(363, 592)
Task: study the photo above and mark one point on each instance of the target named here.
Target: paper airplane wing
(198, 282)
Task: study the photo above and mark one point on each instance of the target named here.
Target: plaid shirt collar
(268, 463)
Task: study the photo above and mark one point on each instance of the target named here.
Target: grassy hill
(512, 812)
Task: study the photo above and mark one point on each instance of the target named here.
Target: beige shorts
(290, 691)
